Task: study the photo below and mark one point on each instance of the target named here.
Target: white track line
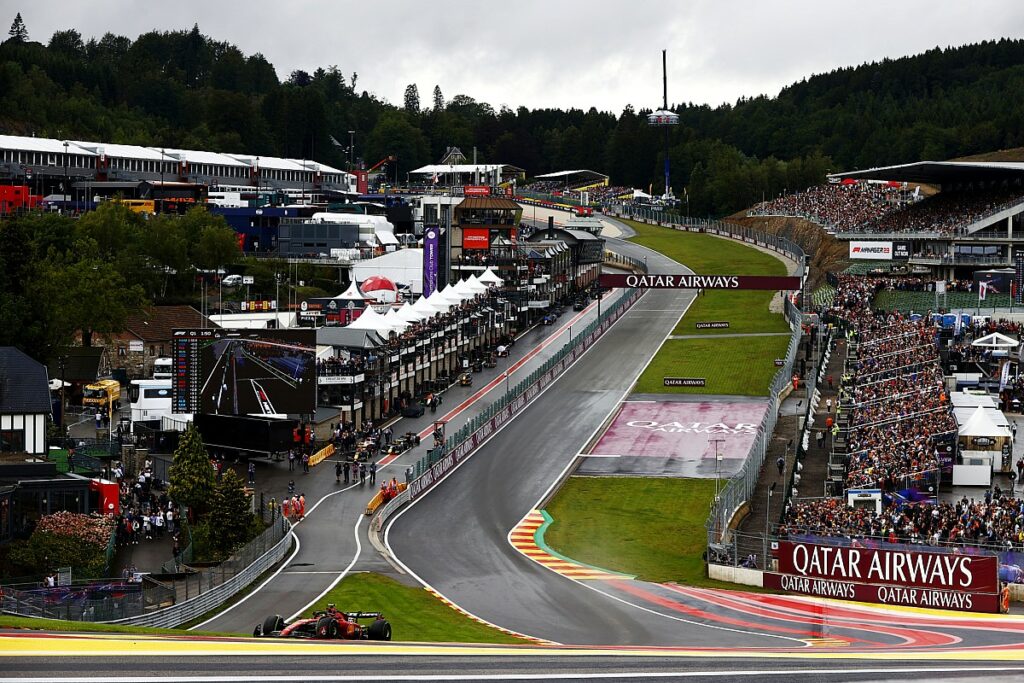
(359, 550)
(280, 569)
(387, 529)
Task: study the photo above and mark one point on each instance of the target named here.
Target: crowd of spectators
(885, 208)
(996, 522)
(843, 208)
(893, 390)
(949, 212)
(146, 511)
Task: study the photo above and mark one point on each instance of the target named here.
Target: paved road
(292, 661)
(454, 539)
(331, 540)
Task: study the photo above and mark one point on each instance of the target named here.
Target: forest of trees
(185, 89)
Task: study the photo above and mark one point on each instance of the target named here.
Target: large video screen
(244, 372)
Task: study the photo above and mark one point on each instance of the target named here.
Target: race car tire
(379, 630)
(326, 628)
(271, 624)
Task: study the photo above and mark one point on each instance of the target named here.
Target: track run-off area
(476, 540)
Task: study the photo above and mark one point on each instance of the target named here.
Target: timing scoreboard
(187, 368)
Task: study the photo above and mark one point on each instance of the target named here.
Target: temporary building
(996, 341)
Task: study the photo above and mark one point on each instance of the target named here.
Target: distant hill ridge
(185, 89)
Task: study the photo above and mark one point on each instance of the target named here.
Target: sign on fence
(670, 281)
(896, 577)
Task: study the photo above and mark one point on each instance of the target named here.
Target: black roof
(24, 385)
(345, 337)
(940, 172)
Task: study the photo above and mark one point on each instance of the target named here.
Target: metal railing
(741, 486)
(164, 600)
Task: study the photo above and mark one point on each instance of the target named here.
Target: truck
(246, 436)
(102, 396)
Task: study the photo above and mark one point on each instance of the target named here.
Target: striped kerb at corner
(449, 603)
(528, 538)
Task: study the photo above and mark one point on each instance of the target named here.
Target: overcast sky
(553, 53)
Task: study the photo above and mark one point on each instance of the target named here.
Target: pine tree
(438, 99)
(230, 517)
(412, 99)
(191, 476)
(18, 31)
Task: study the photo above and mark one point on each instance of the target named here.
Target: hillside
(186, 89)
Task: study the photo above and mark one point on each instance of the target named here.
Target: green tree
(191, 475)
(85, 295)
(412, 99)
(395, 134)
(438, 99)
(18, 32)
(230, 516)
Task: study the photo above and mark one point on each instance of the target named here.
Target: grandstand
(969, 224)
(575, 187)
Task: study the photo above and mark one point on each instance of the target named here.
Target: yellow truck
(103, 395)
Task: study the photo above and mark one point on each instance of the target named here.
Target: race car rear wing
(364, 615)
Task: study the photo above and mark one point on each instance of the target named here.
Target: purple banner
(431, 238)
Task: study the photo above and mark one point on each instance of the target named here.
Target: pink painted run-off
(683, 431)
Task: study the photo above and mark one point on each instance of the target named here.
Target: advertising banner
(875, 251)
(476, 238)
(431, 259)
(901, 250)
(476, 191)
(768, 282)
(886, 595)
(891, 567)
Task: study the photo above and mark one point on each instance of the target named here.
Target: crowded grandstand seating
(843, 208)
(898, 416)
(996, 522)
(884, 208)
(893, 391)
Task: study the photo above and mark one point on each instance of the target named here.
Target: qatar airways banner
(897, 576)
(768, 282)
(431, 259)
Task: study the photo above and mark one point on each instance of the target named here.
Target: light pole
(718, 461)
(767, 522)
(64, 203)
(351, 147)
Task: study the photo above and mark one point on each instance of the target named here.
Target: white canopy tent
(424, 306)
(397, 323)
(352, 294)
(981, 424)
(410, 314)
(450, 295)
(489, 277)
(371, 320)
(464, 289)
(439, 301)
(475, 285)
(996, 341)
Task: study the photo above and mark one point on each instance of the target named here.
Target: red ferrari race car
(329, 624)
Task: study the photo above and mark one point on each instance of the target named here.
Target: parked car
(231, 280)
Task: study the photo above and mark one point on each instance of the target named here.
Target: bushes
(65, 539)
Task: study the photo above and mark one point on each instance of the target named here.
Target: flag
(982, 290)
(335, 142)
(435, 178)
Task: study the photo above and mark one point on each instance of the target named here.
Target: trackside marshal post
(701, 281)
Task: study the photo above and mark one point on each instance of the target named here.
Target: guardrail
(165, 602)
(740, 486)
(438, 462)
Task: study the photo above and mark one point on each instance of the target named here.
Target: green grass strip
(414, 613)
(538, 538)
(741, 366)
(61, 626)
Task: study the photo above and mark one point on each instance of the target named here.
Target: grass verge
(414, 613)
(746, 311)
(731, 365)
(652, 527)
(58, 625)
